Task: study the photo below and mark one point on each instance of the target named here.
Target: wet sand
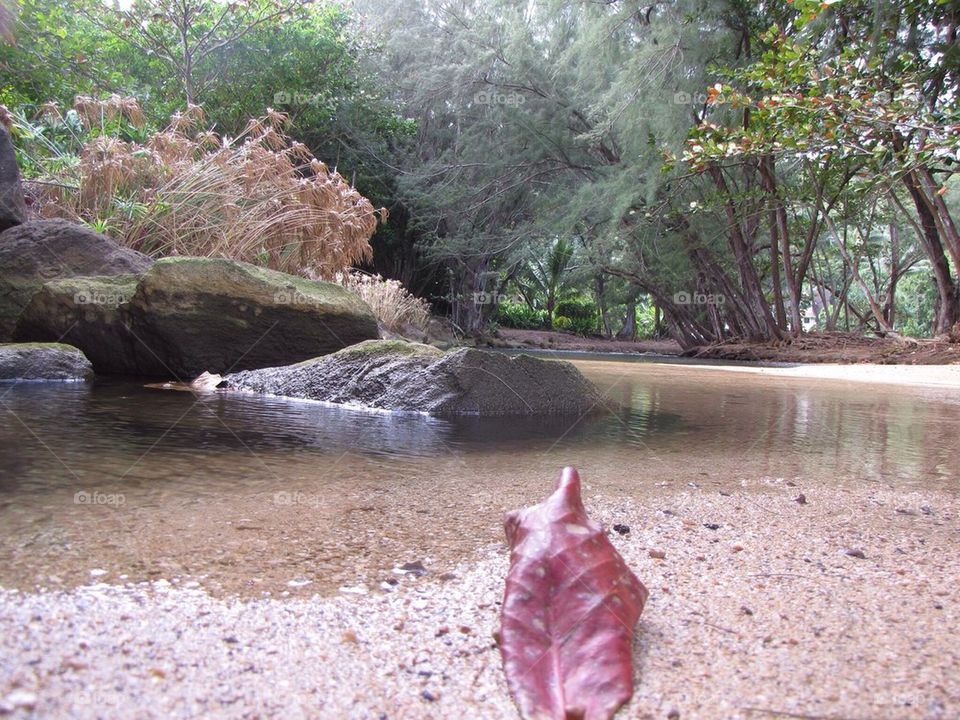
(947, 376)
(772, 614)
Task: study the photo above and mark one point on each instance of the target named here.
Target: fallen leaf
(569, 609)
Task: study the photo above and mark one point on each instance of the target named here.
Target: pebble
(414, 568)
(358, 590)
(19, 698)
(658, 554)
(856, 553)
(801, 499)
(622, 529)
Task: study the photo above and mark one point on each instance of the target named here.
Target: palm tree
(548, 274)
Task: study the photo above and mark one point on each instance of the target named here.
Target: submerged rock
(39, 251)
(398, 375)
(43, 361)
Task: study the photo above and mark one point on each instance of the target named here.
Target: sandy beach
(947, 376)
(842, 606)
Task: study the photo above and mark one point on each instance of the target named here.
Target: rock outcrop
(13, 209)
(397, 375)
(38, 251)
(188, 315)
(43, 361)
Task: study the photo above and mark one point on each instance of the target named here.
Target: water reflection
(247, 490)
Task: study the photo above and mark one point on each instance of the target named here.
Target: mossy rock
(197, 314)
(39, 251)
(94, 314)
(43, 361)
(410, 377)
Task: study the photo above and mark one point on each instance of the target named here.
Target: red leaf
(569, 610)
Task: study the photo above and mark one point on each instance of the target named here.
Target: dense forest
(703, 169)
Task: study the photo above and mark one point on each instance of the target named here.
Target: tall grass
(394, 306)
(185, 190)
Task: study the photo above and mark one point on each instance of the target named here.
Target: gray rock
(92, 313)
(42, 250)
(397, 375)
(43, 361)
(13, 209)
(188, 315)
(200, 314)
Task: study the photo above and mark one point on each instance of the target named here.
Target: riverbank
(778, 599)
(846, 348)
(812, 348)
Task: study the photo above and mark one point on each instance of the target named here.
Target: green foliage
(520, 316)
(578, 308)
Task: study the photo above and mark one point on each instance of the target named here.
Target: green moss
(17, 347)
(220, 276)
(376, 348)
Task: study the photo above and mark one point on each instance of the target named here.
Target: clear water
(249, 493)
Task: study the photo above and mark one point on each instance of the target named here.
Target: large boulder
(397, 375)
(92, 313)
(43, 361)
(13, 209)
(198, 314)
(187, 315)
(42, 250)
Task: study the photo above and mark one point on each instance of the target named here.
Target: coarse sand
(841, 603)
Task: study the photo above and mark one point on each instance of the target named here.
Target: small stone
(674, 714)
(429, 696)
(447, 577)
(442, 630)
(350, 636)
(622, 529)
(711, 526)
(21, 698)
(800, 499)
(856, 553)
(98, 572)
(658, 554)
(738, 548)
(231, 639)
(745, 610)
(358, 590)
(414, 568)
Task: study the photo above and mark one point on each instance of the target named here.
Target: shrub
(520, 316)
(580, 326)
(260, 197)
(394, 306)
(563, 324)
(578, 309)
